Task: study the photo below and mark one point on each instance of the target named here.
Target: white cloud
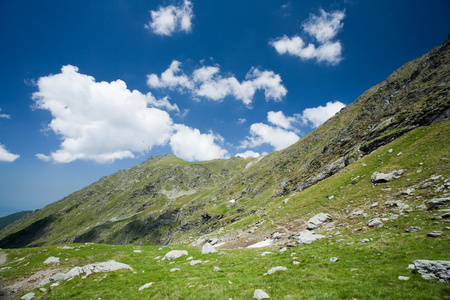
(170, 78)
(323, 28)
(316, 116)
(7, 156)
(248, 153)
(277, 137)
(100, 121)
(4, 116)
(209, 83)
(280, 120)
(170, 19)
(189, 144)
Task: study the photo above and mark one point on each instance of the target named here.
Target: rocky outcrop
(433, 269)
(317, 220)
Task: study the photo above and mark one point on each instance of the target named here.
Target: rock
(437, 203)
(137, 251)
(67, 248)
(260, 294)
(365, 240)
(403, 278)
(274, 269)
(334, 259)
(317, 220)
(445, 216)
(109, 266)
(378, 177)
(147, 285)
(306, 237)
(433, 269)
(296, 262)
(208, 248)
(411, 267)
(265, 253)
(446, 229)
(283, 249)
(31, 296)
(434, 233)
(375, 222)
(174, 270)
(412, 229)
(355, 213)
(216, 269)
(52, 260)
(175, 254)
(195, 262)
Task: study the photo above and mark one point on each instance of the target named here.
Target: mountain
(6, 220)
(241, 201)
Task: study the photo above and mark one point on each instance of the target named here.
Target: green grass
(379, 264)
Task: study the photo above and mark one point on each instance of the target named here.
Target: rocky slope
(167, 200)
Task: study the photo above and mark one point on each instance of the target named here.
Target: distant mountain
(240, 201)
(5, 221)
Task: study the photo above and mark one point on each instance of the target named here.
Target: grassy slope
(379, 262)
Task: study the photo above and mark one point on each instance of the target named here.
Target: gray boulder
(306, 237)
(274, 269)
(437, 203)
(52, 260)
(433, 269)
(317, 220)
(378, 177)
(260, 294)
(434, 233)
(31, 296)
(175, 254)
(375, 222)
(208, 248)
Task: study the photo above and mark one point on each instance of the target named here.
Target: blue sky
(91, 87)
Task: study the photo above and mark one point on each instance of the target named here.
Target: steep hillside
(6, 220)
(239, 202)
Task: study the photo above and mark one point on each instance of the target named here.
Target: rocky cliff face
(166, 199)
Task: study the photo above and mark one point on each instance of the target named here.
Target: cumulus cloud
(248, 153)
(316, 116)
(323, 28)
(100, 121)
(170, 19)
(5, 155)
(280, 120)
(105, 121)
(189, 144)
(208, 82)
(277, 137)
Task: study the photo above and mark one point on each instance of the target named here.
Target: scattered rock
(433, 269)
(52, 260)
(296, 262)
(31, 296)
(434, 233)
(260, 294)
(67, 248)
(365, 240)
(403, 278)
(378, 177)
(411, 267)
(445, 216)
(437, 203)
(274, 269)
(355, 213)
(137, 251)
(283, 249)
(334, 259)
(216, 269)
(208, 248)
(109, 266)
(446, 228)
(376, 222)
(175, 254)
(174, 270)
(306, 237)
(195, 262)
(317, 220)
(265, 253)
(412, 229)
(147, 285)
